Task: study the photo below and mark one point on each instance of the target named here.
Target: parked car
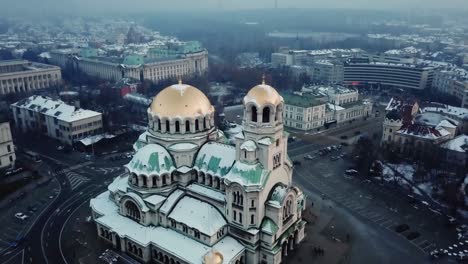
(352, 172)
(343, 137)
(334, 158)
(309, 157)
(21, 216)
(60, 147)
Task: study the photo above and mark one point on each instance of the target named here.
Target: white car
(21, 216)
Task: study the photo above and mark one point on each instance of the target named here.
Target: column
(192, 125)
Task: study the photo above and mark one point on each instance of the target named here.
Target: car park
(413, 235)
(401, 228)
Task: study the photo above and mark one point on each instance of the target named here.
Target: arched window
(132, 210)
(252, 219)
(154, 180)
(187, 126)
(240, 217)
(204, 123)
(177, 126)
(254, 114)
(266, 115)
(234, 198)
(168, 126)
(140, 252)
(197, 126)
(159, 124)
(164, 179)
(143, 178)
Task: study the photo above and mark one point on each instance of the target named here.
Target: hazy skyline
(44, 7)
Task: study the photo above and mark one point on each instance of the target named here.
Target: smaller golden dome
(182, 101)
(213, 257)
(263, 94)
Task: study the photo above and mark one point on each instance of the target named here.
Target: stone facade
(254, 214)
(24, 76)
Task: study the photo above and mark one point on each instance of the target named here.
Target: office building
(56, 119)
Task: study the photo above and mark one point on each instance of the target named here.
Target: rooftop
(458, 144)
(55, 107)
(305, 100)
(199, 215)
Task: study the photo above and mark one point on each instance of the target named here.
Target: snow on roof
(182, 146)
(229, 248)
(184, 169)
(205, 191)
(181, 246)
(151, 159)
(335, 107)
(266, 141)
(170, 201)
(452, 111)
(447, 124)
(215, 158)
(199, 215)
(249, 145)
(102, 204)
(435, 119)
(96, 138)
(423, 131)
(155, 199)
(55, 108)
(278, 194)
(248, 174)
(137, 199)
(141, 142)
(458, 144)
(119, 184)
(138, 98)
(268, 226)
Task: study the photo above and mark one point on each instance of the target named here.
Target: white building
(329, 72)
(281, 59)
(23, 76)
(7, 148)
(318, 105)
(187, 197)
(56, 119)
(303, 112)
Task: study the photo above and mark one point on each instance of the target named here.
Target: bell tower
(263, 139)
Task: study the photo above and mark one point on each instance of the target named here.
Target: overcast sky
(101, 6)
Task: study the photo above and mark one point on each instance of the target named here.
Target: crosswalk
(78, 166)
(108, 170)
(75, 179)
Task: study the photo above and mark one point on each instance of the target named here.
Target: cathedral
(187, 196)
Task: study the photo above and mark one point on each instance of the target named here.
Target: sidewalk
(319, 232)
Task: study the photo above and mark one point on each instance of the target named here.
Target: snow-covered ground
(407, 171)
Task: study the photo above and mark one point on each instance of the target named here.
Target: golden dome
(213, 257)
(181, 100)
(263, 94)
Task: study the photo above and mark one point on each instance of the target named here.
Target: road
(371, 211)
(78, 181)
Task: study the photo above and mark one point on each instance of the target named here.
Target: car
(309, 157)
(88, 157)
(296, 162)
(32, 209)
(60, 147)
(21, 216)
(410, 198)
(357, 133)
(401, 228)
(343, 137)
(351, 172)
(451, 221)
(334, 158)
(344, 144)
(413, 235)
(425, 203)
